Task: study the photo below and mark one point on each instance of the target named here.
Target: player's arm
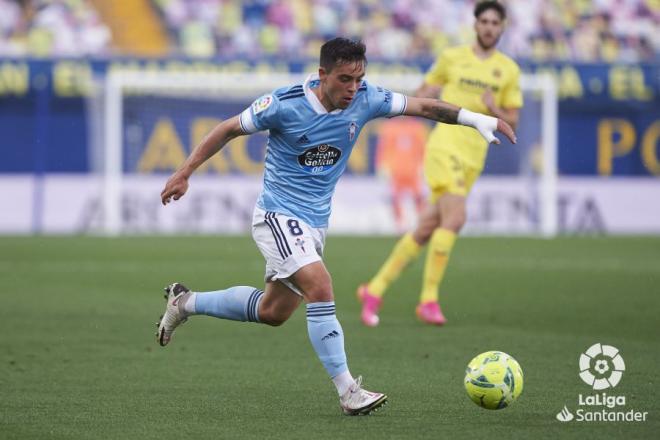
(441, 111)
(427, 90)
(177, 184)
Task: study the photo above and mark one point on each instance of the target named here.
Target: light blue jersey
(308, 148)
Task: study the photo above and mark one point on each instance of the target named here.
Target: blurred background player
(479, 78)
(399, 158)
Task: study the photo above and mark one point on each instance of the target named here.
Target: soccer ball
(493, 380)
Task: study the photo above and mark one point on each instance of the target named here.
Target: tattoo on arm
(443, 112)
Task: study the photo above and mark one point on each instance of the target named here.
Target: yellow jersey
(464, 78)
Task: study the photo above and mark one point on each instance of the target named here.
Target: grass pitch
(79, 357)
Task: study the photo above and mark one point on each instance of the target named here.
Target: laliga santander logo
(601, 366)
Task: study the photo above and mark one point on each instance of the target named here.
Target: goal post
(546, 85)
(209, 86)
(119, 83)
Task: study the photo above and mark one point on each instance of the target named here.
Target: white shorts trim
(287, 244)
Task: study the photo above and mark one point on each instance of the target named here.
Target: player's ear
(322, 73)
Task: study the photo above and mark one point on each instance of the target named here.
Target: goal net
(151, 121)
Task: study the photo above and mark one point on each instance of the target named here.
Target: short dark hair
(342, 51)
(481, 7)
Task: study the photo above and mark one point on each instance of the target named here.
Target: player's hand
(504, 128)
(175, 188)
(486, 125)
(488, 99)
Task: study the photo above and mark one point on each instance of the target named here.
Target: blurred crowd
(580, 30)
(584, 30)
(52, 28)
(540, 30)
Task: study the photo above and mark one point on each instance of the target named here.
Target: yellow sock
(437, 256)
(404, 251)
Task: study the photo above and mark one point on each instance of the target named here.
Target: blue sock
(238, 303)
(327, 336)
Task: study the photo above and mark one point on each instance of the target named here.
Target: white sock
(343, 381)
(189, 305)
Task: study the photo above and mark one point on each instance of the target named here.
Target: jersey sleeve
(383, 102)
(261, 115)
(511, 94)
(437, 74)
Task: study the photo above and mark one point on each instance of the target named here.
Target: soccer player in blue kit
(312, 130)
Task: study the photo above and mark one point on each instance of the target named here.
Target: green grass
(78, 357)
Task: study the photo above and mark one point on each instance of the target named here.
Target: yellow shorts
(448, 173)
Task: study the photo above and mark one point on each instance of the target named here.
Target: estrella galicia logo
(320, 158)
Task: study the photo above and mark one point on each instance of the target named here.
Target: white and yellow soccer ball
(493, 380)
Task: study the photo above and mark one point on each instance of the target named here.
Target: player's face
(489, 27)
(341, 84)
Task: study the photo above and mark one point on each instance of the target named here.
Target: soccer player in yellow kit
(481, 79)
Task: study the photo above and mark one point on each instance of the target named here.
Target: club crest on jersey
(352, 129)
(261, 104)
(320, 158)
(300, 242)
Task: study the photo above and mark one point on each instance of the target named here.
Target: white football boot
(176, 295)
(356, 401)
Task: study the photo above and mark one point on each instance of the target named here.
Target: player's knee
(422, 235)
(424, 231)
(320, 292)
(455, 221)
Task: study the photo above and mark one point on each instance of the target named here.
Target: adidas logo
(332, 334)
(303, 140)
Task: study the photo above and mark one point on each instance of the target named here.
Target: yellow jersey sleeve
(511, 93)
(438, 73)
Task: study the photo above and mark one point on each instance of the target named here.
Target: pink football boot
(430, 313)
(370, 306)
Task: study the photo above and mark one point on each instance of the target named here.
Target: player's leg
(438, 171)
(239, 303)
(428, 221)
(451, 203)
(293, 253)
(327, 337)
(278, 303)
(272, 306)
(452, 214)
(405, 250)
